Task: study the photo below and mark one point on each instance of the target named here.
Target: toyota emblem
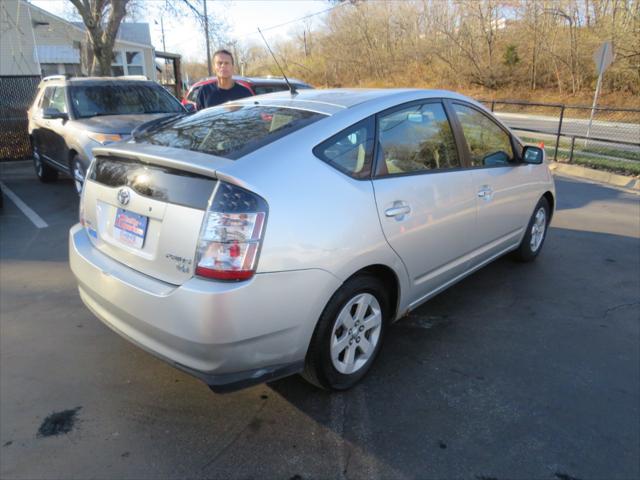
(123, 196)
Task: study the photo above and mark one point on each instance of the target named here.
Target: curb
(600, 176)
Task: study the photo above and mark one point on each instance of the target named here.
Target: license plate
(130, 228)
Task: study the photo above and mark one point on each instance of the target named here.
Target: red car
(257, 86)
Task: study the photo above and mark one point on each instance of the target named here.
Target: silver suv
(71, 116)
(282, 234)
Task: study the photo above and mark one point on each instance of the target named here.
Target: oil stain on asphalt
(58, 423)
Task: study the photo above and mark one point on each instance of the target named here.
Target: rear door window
(230, 131)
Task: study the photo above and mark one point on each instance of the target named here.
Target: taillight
(231, 234)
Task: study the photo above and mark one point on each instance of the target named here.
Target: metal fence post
(555, 154)
(573, 144)
(493, 105)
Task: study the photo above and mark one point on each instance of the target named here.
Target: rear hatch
(144, 207)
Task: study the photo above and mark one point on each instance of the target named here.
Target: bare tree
(102, 19)
(469, 44)
(214, 29)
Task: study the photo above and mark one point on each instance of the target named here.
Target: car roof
(274, 81)
(64, 80)
(208, 80)
(331, 101)
(253, 81)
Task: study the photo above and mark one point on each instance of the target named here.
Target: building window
(127, 63)
(48, 69)
(72, 69)
(135, 64)
(117, 67)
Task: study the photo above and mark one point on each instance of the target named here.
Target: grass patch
(621, 167)
(612, 152)
(615, 166)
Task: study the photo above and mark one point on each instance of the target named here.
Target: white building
(36, 42)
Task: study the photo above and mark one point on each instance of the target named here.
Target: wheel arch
(552, 203)
(389, 279)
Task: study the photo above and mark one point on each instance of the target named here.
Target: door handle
(399, 209)
(485, 192)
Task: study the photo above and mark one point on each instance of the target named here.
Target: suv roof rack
(54, 77)
(132, 77)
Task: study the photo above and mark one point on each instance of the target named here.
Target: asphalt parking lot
(518, 372)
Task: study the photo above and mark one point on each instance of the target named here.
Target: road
(520, 371)
(614, 131)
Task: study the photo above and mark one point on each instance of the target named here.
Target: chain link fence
(610, 139)
(16, 96)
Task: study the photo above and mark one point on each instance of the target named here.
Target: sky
(184, 36)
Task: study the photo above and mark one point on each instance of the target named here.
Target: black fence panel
(572, 132)
(16, 95)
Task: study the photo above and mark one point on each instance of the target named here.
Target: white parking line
(29, 213)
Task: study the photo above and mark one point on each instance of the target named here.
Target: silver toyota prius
(282, 234)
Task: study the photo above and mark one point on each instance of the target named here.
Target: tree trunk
(102, 18)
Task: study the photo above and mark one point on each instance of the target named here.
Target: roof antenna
(292, 89)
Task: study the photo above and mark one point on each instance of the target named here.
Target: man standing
(226, 89)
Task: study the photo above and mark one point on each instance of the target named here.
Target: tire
(355, 317)
(536, 233)
(44, 172)
(78, 173)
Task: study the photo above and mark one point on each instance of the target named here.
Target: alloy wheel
(356, 333)
(538, 229)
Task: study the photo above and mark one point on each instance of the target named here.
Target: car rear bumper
(230, 335)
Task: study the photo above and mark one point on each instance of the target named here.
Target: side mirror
(190, 107)
(54, 113)
(533, 155)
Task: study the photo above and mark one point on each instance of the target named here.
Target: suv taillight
(231, 234)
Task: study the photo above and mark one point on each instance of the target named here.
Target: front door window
(58, 100)
(416, 139)
(489, 145)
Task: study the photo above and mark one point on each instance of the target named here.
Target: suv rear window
(230, 131)
(124, 99)
(193, 94)
(261, 90)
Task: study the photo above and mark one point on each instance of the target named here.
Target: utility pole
(163, 76)
(164, 47)
(206, 33)
(306, 52)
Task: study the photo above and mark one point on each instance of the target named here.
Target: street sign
(603, 57)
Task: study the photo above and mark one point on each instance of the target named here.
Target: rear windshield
(124, 99)
(230, 131)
